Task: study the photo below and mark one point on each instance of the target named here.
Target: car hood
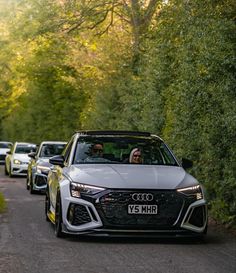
(131, 176)
(3, 151)
(22, 157)
(43, 162)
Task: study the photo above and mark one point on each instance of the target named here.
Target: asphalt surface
(28, 244)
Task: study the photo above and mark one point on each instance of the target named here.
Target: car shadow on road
(213, 237)
(137, 240)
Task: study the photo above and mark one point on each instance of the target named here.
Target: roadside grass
(2, 203)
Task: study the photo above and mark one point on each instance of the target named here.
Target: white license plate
(142, 209)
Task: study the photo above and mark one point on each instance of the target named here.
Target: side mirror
(32, 155)
(57, 160)
(186, 163)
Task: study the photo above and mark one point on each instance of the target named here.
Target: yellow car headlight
(17, 161)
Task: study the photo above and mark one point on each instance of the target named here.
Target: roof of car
(53, 142)
(25, 143)
(115, 132)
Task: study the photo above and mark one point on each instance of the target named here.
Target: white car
(5, 146)
(39, 165)
(17, 159)
(123, 183)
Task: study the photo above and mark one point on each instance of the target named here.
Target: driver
(97, 150)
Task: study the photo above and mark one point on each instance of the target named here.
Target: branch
(149, 12)
(3, 65)
(76, 26)
(135, 13)
(122, 17)
(126, 6)
(100, 21)
(90, 12)
(111, 21)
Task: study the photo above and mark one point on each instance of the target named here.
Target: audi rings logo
(142, 197)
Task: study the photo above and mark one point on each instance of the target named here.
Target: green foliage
(50, 108)
(196, 44)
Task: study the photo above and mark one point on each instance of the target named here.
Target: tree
(101, 16)
(196, 45)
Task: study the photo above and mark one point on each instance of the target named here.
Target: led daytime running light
(77, 189)
(192, 191)
(194, 188)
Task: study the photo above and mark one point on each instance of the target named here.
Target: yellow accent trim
(51, 216)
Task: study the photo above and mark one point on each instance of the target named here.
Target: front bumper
(106, 215)
(19, 169)
(40, 182)
(2, 158)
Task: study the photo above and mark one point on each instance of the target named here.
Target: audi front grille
(113, 209)
(2, 157)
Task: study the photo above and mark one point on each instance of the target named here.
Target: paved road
(28, 245)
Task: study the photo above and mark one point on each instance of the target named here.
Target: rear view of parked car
(17, 159)
(39, 165)
(5, 147)
(123, 183)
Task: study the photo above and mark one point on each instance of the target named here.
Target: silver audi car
(123, 183)
(39, 165)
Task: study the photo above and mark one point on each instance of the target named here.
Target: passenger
(136, 156)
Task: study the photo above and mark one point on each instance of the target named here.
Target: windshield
(49, 150)
(5, 145)
(25, 149)
(123, 150)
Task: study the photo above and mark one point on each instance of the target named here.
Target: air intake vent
(78, 215)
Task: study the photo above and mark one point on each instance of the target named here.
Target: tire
(27, 183)
(47, 205)
(58, 218)
(5, 169)
(32, 191)
(10, 173)
(202, 237)
(205, 230)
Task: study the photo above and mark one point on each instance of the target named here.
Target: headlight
(40, 169)
(192, 191)
(76, 189)
(17, 161)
